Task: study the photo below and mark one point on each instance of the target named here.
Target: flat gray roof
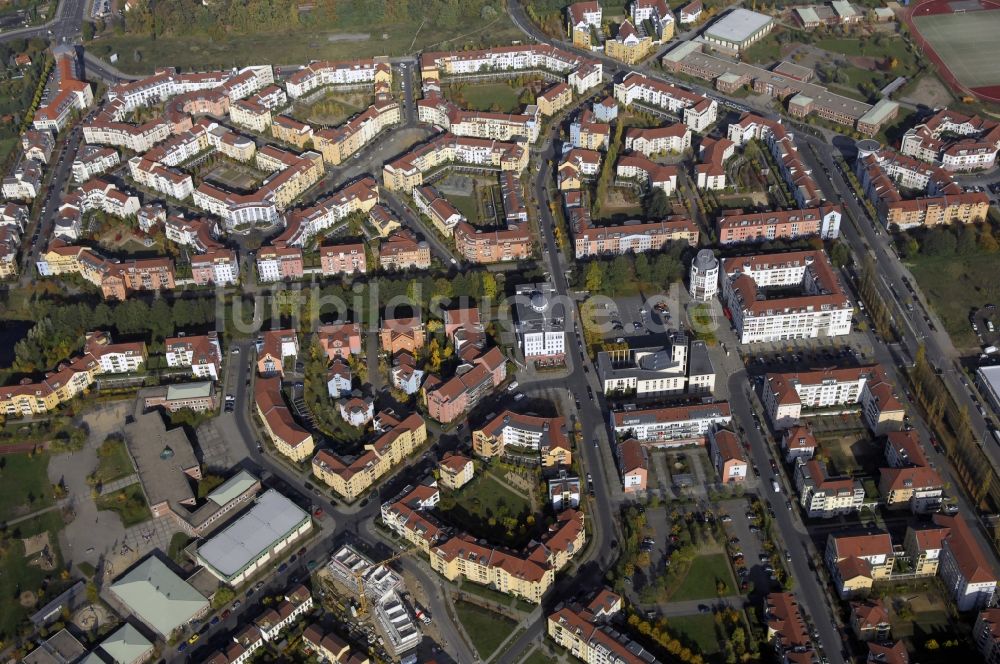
(241, 542)
(160, 598)
(232, 488)
(699, 361)
(161, 458)
(189, 390)
(738, 25)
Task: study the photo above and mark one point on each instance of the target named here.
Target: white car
(512, 386)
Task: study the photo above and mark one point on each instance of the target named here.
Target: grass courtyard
(699, 629)
(488, 509)
(486, 630)
(113, 462)
(333, 108)
(703, 577)
(235, 177)
(129, 504)
(499, 97)
(26, 486)
(954, 287)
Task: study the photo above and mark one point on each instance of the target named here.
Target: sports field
(967, 43)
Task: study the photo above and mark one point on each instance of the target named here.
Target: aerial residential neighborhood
(502, 331)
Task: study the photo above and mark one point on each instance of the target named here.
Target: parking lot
(800, 354)
(633, 318)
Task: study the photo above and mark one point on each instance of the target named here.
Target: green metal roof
(232, 488)
(126, 645)
(197, 390)
(160, 598)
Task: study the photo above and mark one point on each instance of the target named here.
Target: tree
(656, 204)
(489, 286)
(594, 277)
(207, 484)
(222, 597)
(967, 241)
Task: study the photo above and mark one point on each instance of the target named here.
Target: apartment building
(576, 167)
(540, 323)
(728, 456)
(587, 133)
(512, 127)
(824, 496)
(870, 620)
(525, 574)
(798, 442)
(250, 114)
(517, 434)
(24, 183)
(581, 73)
(986, 635)
(279, 264)
(276, 420)
(219, 267)
(672, 426)
(274, 347)
(349, 258)
(964, 568)
(340, 143)
(93, 160)
(68, 94)
(362, 72)
(657, 12)
(683, 366)
(644, 171)
(786, 625)
(923, 545)
(710, 173)
(856, 561)
(146, 274)
(587, 633)
(350, 477)
(475, 379)
(402, 251)
(455, 471)
(822, 309)
(582, 19)
(201, 352)
(633, 465)
(291, 131)
(402, 334)
(955, 141)
(631, 236)
(736, 226)
(554, 98)
(785, 395)
(383, 221)
(438, 209)
(658, 140)
(406, 172)
(641, 89)
(304, 224)
(478, 245)
(629, 45)
(167, 181)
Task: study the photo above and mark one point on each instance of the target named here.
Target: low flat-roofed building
(60, 648)
(738, 29)
(157, 596)
(198, 396)
(249, 542)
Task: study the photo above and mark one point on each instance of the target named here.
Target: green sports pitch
(967, 43)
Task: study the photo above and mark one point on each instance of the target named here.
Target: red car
(226, 614)
(318, 512)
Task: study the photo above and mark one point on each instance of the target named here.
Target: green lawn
(199, 51)
(18, 575)
(113, 462)
(26, 486)
(489, 510)
(491, 96)
(700, 629)
(467, 205)
(955, 286)
(129, 504)
(6, 145)
(766, 51)
(486, 629)
(700, 581)
(538, 657)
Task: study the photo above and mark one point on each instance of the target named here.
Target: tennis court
(967, 43)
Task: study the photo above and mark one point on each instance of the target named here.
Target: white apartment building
(219, 267)
(200, 352)
(656, 371)
(823, 496)
(702, 115)
(541, 322)
(704, 276)
(92, 160)
(351, 73)
(963, 567)
(159, 178)
(645, 90)
(670, 426)
(139, 139)
(822, 310)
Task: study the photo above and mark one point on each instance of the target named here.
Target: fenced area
(960, 37)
